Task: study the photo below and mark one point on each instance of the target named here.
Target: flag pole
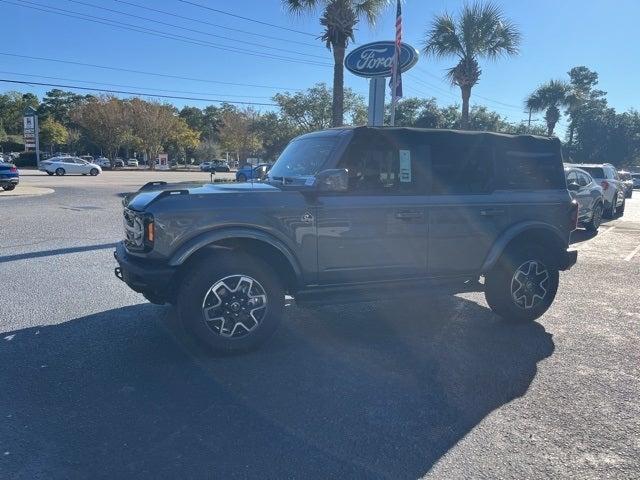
(395, 71)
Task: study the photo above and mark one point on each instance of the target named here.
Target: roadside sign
(376, 59)
(31, 132)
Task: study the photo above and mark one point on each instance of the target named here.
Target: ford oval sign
(375, 59)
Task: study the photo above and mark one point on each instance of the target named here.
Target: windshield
(303, 157)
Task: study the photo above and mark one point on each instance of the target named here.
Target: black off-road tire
(60, 171)
(500, 281)
(196, 287)
(596, 218)
(610, 212)
(8, 188)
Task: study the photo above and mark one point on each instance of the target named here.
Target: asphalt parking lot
(95, 382)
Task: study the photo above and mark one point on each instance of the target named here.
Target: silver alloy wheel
(528, 285)
(234, 306)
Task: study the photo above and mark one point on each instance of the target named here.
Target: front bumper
(568, 259)
(143, 276)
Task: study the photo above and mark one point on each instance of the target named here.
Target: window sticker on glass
(405, 166)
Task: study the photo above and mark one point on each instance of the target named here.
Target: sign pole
(377, 89)
(37, 128)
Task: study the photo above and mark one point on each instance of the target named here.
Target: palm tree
(550, 97)
(481, 31)
(339, 19)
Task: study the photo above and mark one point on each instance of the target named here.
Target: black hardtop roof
(447, 133)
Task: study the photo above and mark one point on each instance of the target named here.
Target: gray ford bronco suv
(356, 214)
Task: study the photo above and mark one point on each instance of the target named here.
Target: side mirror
(574, 187)
(334, 180)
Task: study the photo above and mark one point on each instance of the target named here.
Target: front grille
(133, 229)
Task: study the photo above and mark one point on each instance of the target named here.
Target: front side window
(583, 179)
(303, 157)
(378, 164)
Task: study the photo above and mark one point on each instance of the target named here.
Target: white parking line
(630, 256)
(600, 234)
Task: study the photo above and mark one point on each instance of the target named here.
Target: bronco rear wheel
(232, 303)
(522, 286)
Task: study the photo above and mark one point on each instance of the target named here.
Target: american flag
(396, 77)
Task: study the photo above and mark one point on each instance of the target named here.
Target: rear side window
(531, 170)
(595, 172)
(461, 169)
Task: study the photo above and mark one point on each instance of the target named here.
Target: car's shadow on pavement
(370, 390)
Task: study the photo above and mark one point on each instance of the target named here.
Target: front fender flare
(512, 232)
(212, 236)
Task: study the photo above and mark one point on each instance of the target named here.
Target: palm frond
(298, 7)
(554, 93)
(442, 40)
(370, 9)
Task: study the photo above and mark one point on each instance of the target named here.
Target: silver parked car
(613, 188)
(625, 177)
(69, 165)
(589, 196)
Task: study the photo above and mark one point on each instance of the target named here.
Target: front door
(378, 229)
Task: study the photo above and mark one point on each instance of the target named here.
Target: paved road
(95, 382)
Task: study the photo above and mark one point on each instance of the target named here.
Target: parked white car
(69, 165)
(132, 162)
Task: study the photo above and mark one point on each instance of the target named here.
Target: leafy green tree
(53, 133)
(57, 104)
(104, 121)
(275, 131)
(207, 150)
(481, 31)
(339, 19)
(194, 117)
(12, 105)
(583, 97)
(550, 97)
(154, 124)
(237, 131)
(311, 109)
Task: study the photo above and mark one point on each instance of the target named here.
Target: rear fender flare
(512, 232)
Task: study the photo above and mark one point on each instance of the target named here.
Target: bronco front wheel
(232, 303)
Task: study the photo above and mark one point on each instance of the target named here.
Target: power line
(202, 32)
(123, 92)
(510, 105)
(127, 86)
(142, 72)
(246, 18)
(157, 33)
(204, 22)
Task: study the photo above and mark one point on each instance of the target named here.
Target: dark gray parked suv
(356, 214)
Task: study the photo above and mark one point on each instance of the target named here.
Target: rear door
(465, 213)
(378, 229)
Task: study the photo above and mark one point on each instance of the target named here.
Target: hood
(141, 199)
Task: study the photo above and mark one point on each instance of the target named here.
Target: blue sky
(557, 35)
